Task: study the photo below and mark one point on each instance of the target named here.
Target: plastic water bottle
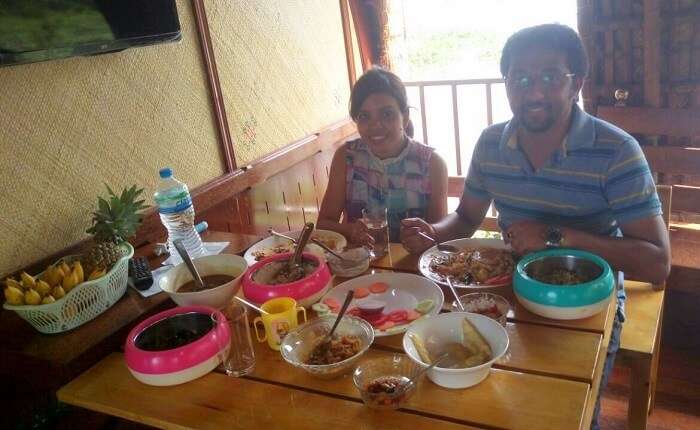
(177, 214)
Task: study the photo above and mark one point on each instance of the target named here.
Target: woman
(384, 167)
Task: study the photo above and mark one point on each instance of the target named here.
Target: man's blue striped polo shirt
(597, 181)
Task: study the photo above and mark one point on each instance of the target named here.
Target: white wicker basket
(82, 303)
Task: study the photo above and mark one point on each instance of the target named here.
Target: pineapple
(115, 220)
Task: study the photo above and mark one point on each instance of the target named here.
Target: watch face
(553, 236)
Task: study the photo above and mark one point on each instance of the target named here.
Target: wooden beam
(347, 39)
(653, 121)
(652, 53)
(225, 141)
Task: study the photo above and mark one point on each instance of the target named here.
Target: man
(558, 176)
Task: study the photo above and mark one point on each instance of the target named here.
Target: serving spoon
(314, 240)
(198, 279)
(442, 247)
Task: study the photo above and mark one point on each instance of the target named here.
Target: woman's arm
(437, 204)
(334, 203)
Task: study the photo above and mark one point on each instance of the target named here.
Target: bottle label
(174, 203)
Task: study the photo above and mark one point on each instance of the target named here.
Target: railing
(454, 84)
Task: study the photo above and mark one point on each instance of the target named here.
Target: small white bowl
(217, 297)
(445, 328)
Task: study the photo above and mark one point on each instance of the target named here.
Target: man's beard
(538, 126)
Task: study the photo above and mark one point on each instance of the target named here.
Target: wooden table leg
(640, 390)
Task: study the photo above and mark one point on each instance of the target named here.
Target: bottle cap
(166, 172)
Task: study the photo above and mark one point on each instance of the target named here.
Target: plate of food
(274, 245)
(388, 301)
(482, 263)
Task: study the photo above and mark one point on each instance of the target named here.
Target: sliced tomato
(376, 320)
(378, 287)
(354, 311)
(398, 315)
(385, 326)
(361, 292)
(331, 302)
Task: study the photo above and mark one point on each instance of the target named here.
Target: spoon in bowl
(314, 240)
(188, 262)
(420, 373)
(327, 338)
(198, 279)
(454, 292)
(448, 249)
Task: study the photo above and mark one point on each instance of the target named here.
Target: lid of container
(165, 172)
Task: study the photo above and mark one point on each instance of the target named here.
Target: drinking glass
(239, 358)
(375, 219)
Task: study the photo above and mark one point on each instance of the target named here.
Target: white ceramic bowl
(218, 297)
(444, 328)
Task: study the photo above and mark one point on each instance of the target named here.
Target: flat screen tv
(39, 30)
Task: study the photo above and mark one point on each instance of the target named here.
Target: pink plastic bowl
(305, 291)
(179, 364)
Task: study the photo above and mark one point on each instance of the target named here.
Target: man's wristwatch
(553, 237)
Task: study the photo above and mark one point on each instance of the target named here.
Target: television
(39, 30)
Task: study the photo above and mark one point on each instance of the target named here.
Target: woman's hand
(411, 240)
(359, 234)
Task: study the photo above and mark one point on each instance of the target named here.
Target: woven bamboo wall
(69, 126)
(294, 54)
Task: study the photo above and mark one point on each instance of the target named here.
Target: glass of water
(375, 219)
(239, 358)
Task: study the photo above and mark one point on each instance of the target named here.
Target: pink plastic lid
(183, 357)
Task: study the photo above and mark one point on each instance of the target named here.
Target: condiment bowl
(396, 366)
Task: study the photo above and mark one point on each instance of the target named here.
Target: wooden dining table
(548, 379)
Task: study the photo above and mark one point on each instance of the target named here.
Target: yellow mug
(281, 317)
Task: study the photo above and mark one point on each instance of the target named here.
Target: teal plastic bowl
(558, 301)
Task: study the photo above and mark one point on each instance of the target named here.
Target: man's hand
(526, 236)
(359, 234)
(411, 240)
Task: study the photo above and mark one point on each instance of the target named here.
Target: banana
(14, 295)
(70, 281)
(43, 288)
(11, 282)
(77, 267)
(53, 275)
(28, 280)
(65, 268)
(97, 274)
(58, 292)
(31, 297)
(48, 299)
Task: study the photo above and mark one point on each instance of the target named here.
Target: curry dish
(473, 266)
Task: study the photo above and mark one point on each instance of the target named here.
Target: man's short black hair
(557, 37)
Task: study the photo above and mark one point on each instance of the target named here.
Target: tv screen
(38, 30)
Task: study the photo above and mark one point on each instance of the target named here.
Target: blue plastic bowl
(565, 302)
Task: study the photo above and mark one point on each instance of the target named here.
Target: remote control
(140, 273)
